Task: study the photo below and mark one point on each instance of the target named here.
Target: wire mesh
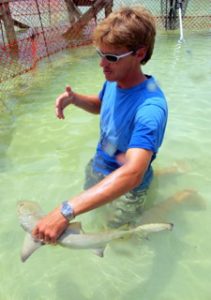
(33, 29)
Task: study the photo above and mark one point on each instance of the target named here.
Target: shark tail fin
(29, 246)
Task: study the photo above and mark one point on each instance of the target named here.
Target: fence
(33, 29)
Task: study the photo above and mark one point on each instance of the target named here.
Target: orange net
(33, 29)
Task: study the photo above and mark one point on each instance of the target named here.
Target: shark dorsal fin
(74, 228)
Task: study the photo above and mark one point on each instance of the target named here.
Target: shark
(29, 213)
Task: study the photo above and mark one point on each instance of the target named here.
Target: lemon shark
(29, 213)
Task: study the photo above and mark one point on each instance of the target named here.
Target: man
(133, 116)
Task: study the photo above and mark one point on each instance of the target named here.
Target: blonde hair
(130, 27)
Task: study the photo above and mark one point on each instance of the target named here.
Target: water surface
(43, 159)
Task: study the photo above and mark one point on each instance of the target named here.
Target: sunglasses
(113, 57)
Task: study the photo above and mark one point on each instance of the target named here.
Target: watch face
(67, 210)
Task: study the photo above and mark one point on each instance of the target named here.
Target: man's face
(121, 70)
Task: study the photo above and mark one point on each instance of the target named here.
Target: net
(33, 29)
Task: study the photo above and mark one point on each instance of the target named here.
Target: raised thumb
(68, 89)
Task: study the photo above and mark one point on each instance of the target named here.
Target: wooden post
(9, 27)
(20, 24)
(73, 11)
(78, 26)
(108, 8)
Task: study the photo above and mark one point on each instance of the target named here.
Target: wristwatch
(67, 211)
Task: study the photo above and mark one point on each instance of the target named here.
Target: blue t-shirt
(130, 118)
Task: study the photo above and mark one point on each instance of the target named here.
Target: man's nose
(104, 62)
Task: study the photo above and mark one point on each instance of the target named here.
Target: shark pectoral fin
(99, 251)
(29, 246)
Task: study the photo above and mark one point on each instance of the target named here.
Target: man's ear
(141, 53)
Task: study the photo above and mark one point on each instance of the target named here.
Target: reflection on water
(43, 159)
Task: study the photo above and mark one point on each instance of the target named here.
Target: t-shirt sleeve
(149, 127)
(101, 93)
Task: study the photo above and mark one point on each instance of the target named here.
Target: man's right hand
(62, 101)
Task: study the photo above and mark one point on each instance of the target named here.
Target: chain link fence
(33, 29)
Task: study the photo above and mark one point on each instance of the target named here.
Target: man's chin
(109, 76)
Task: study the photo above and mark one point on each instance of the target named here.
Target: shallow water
(43, 159)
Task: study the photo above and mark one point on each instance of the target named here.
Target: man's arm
(111, 187)
(116, 184)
